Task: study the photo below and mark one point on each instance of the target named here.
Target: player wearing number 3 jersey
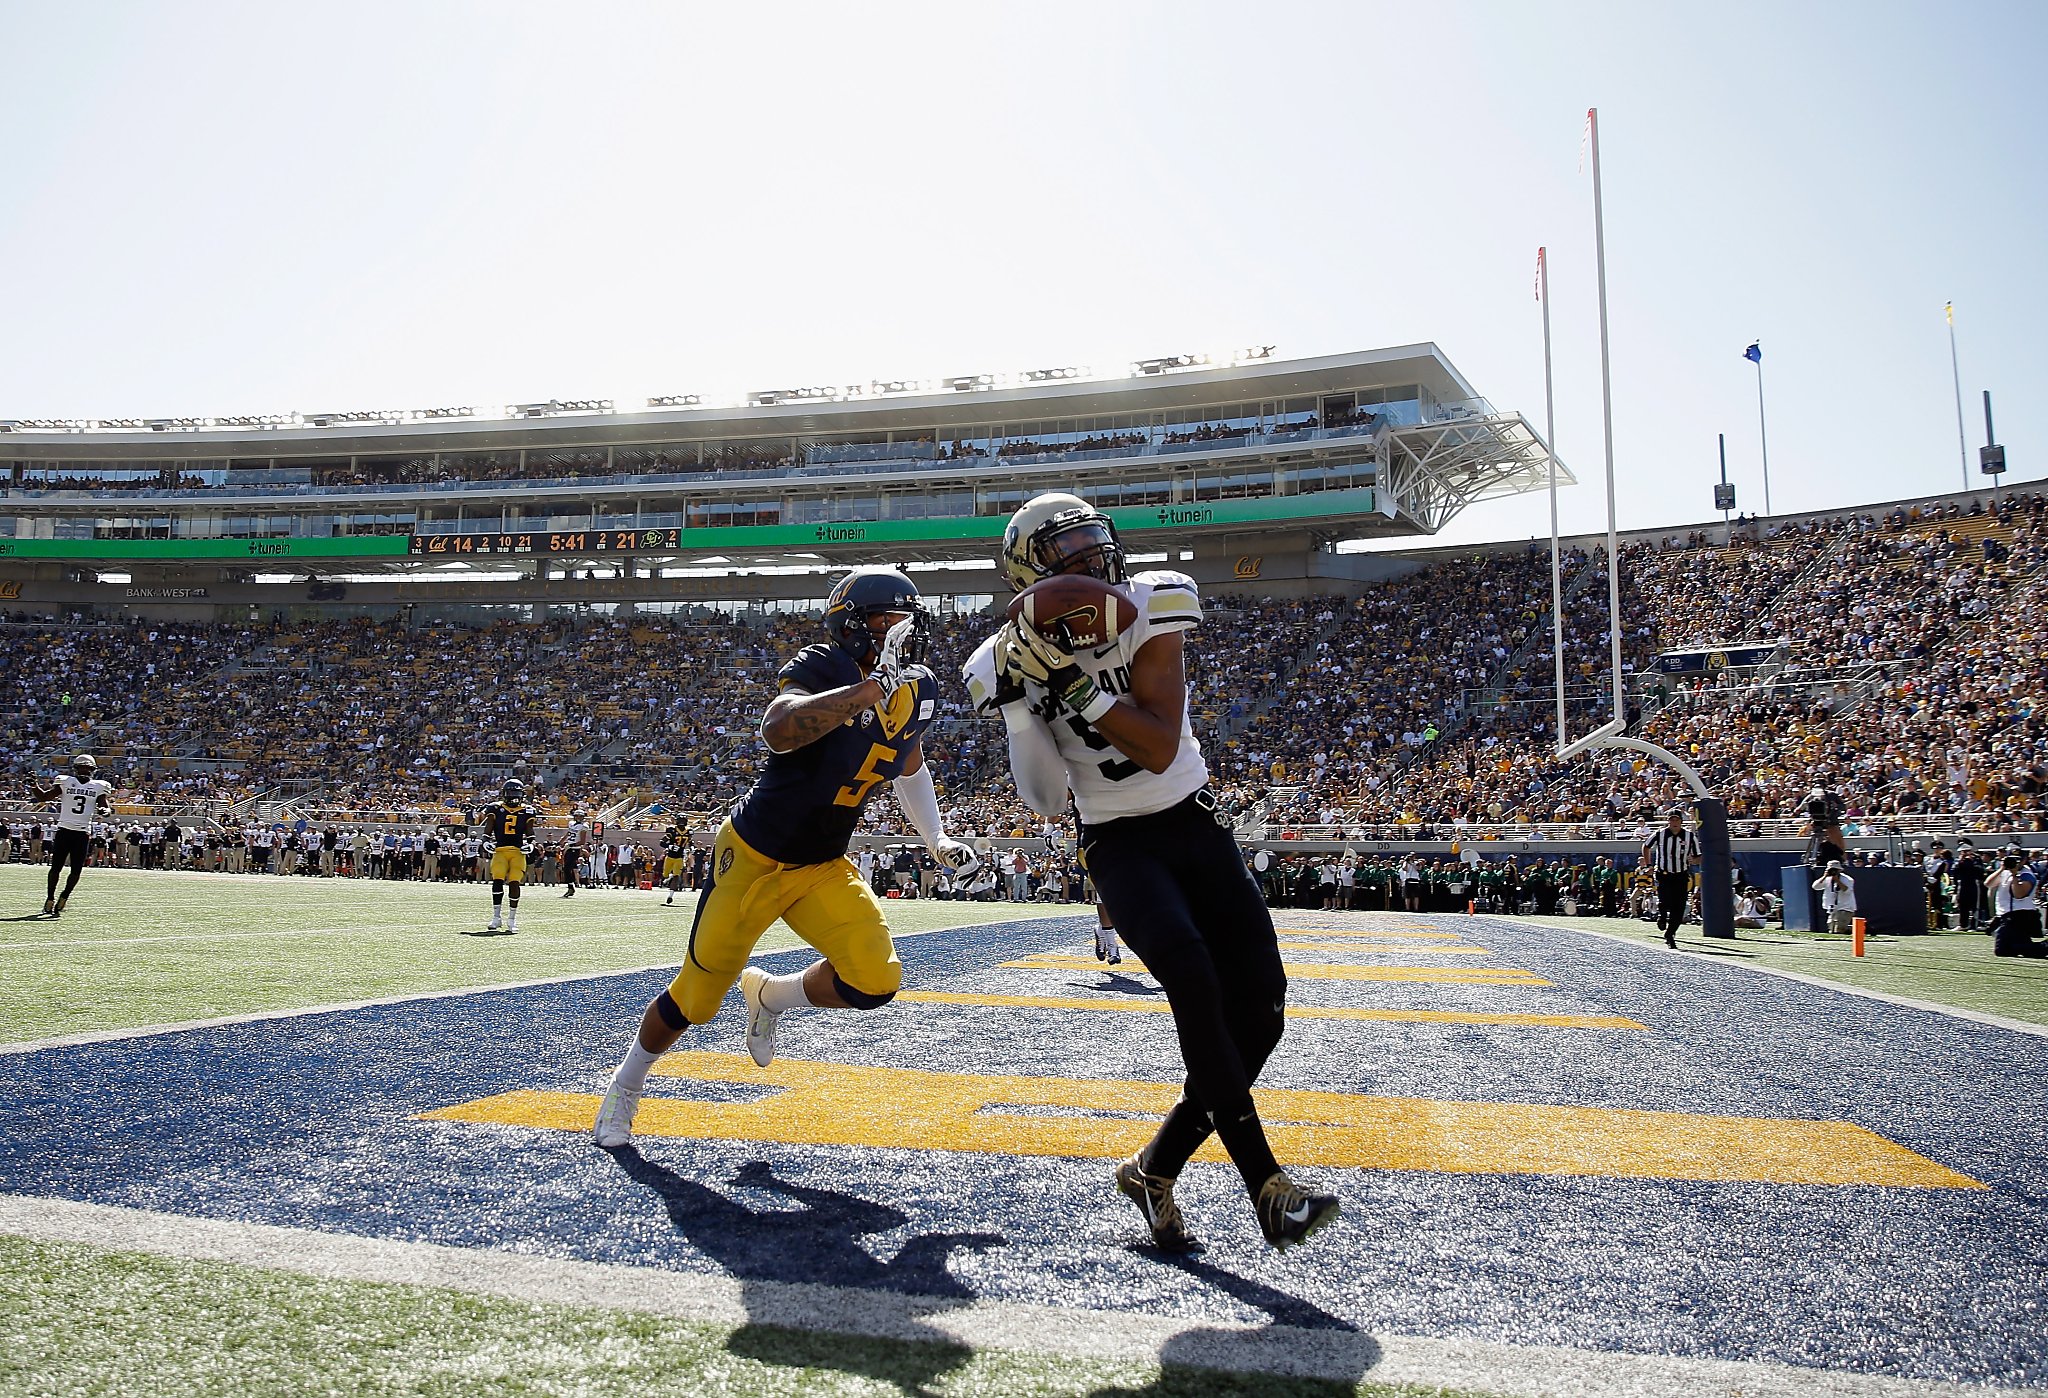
(79, 794)
(1111, 725)
(848, 717)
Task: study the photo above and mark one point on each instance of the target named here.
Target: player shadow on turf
(817, 1243)
(1211, 1348)
(1118, 983)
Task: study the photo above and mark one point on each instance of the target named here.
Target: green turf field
(1952, 968)
(136, 948)
(77, 1320)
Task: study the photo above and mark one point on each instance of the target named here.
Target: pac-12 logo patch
(725, 861)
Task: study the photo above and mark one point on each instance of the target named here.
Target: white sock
(785, 992)
(632, 1070)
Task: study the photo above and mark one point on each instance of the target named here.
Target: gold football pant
(825, 904)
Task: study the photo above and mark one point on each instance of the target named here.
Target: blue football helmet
(867, 592)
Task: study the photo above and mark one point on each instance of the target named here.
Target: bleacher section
(1910, 680)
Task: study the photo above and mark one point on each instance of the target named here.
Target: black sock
(1180, 1136)
(1245, 1138)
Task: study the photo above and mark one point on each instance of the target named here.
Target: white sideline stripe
(174, 937)
(107, 1036)
(96, 942)
(1102, 1335)
(2018, 1026)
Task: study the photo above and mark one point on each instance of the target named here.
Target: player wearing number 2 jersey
(1111, 725)
(79, 794)
(848, 717)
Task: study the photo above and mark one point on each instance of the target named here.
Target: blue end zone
(309, 1122)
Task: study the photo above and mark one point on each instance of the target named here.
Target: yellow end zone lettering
(835, 1104)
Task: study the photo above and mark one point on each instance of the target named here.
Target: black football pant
(1176, 885)
(68, 848)
(1671, 895)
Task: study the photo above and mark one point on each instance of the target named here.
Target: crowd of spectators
(1907, 671)
(99, 483)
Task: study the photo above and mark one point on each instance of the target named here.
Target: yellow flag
(1949, 309)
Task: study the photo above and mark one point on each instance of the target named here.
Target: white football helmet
(1059, 533)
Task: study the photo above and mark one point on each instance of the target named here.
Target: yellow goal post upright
(1717, 893)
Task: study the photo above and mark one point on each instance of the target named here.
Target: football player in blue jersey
(847, 717)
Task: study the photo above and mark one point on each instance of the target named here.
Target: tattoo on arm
(796, 719)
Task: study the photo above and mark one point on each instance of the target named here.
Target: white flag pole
(1955, 370)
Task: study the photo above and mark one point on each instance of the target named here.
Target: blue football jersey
(806, 803)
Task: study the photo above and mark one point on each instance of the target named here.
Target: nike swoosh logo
(1299, 1215)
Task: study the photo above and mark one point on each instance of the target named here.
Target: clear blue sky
(212, 209)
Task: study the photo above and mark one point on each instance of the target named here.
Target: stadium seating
(1909, 678)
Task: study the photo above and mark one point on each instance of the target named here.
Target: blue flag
(1754, 354)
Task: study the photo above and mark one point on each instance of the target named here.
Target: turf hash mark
(833, 1104)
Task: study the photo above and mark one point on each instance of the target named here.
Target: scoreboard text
(542, 541)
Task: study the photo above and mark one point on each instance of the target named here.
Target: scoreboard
(494, 541)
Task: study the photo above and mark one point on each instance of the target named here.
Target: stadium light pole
(1550, 451)
(1956, 372)
(1722, 438)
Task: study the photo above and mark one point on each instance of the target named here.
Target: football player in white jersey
(573, 841)
(79, 793)
(1111, 726)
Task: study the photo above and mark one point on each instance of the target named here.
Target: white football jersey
(1106, 784)
(79, 802)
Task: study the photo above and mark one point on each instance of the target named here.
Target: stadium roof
(878, 405)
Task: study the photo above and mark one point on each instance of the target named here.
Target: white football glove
(955, 855)
(891, 670)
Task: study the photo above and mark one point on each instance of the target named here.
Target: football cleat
(1153, 1194)
(614, 1125)
(1288, 1213)
(1101, 951)
(761, 1021)
(49, 907)
(1116, 956)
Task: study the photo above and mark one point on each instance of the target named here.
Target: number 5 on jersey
(867, 778)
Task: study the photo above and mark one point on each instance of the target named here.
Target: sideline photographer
(1837, 897)
(2016, 931)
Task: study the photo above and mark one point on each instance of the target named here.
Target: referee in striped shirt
(1672, 852)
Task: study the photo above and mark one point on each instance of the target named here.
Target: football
(1075, 611)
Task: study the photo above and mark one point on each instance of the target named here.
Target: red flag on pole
(1539, 274)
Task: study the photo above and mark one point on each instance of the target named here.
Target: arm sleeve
(920, 802)
(1035, 762)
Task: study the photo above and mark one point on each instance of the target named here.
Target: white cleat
(761, 1021)
(614, 1125)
